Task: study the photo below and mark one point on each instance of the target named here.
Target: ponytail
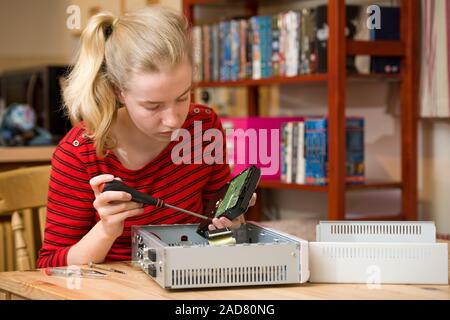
(89, 94)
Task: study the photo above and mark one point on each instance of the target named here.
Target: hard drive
(233, 199)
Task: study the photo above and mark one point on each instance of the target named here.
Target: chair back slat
(31, 233)
(9, 247)
(23, 261)
(23, 195)
(42, 211)
(2, 247)
(23, 188)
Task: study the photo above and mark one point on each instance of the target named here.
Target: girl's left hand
(222, 222)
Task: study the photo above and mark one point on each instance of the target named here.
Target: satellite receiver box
(176, 257)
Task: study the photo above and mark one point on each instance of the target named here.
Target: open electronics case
(176, 257)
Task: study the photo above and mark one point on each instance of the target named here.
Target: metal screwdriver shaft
(186, 211)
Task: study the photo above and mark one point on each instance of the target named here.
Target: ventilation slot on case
(187, 243)
(230, 275)
(376, 229)
(383, 231)
(376, 253)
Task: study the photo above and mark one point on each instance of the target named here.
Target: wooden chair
(23, 197)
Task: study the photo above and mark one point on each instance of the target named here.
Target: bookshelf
(336, 78)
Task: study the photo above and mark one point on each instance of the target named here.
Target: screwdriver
(140, 197)
(69, 272)
(96, 266)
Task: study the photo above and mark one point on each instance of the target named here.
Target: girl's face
(158, 103)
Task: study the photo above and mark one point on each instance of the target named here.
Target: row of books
(285, 44)
(304, 151)
(291, 149)
(255, 48)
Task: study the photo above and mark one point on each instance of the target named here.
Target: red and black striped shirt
(70, 211)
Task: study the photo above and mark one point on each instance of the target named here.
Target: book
(282, 53)
(322, 38)
(288, 131)
(263, 45)
(308, 36)
(283, 151)
(234, 48)
(266, 45)
(215, 52)
(354, 149)
(389, 30)
(222, 40)
(249, 51)
(276, 45)
(316, 150)
(206, 53)
(292, 43)
(300, 159)
(197, 53)
(295, 155)
(292, 152)
(268, 20)
(256, 48)
(316, 155)
(225, 56)
(242, 49)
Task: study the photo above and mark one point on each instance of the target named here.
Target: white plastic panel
(376, 231)
(383, 263)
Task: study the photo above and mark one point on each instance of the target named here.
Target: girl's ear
(119, 94)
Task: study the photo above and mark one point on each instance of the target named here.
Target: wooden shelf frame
(376, 48)
(369, 185)
(336, 77)
(303, 79)
(307, 78)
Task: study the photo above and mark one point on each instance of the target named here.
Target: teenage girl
(128, 91)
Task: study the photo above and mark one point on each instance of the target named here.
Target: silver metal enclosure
(176, 257)
(376, 252)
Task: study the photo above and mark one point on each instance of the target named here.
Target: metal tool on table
(96, 266)
(74, 272)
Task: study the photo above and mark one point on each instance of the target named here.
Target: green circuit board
(232, 195)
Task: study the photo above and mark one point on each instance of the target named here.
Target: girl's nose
(171, 118)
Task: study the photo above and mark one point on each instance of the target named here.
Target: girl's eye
(152, 107)
(182, 99)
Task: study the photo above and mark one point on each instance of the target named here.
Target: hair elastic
(109, 29)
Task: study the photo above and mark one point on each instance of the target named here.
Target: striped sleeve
(220, 173)
(70, 213)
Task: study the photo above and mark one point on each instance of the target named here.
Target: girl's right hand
(113, 207)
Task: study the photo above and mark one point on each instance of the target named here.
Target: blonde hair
(112, 48)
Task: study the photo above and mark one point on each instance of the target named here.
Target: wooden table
(137, 285)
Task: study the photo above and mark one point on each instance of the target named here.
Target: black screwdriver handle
(137, 196)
